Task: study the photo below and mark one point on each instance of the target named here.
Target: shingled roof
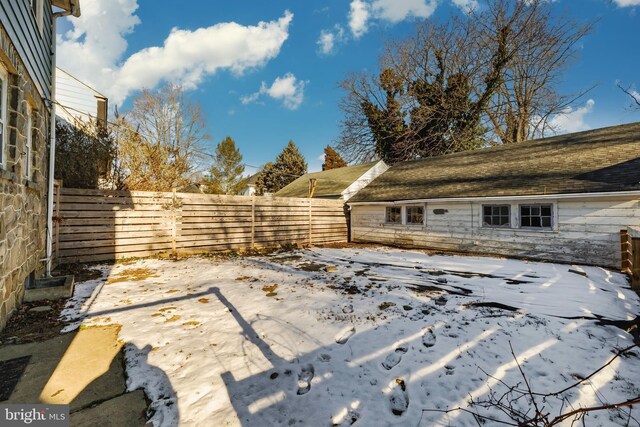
(329, 184)
(600, 160)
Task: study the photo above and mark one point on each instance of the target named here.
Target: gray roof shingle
(600, 160)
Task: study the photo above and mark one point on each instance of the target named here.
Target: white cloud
(329, 39)
(287, 88)
(358, 17)
(96, 42)
(465, 5)
(399, 10)
(627, 3)
(361, 12)
(186, 56)
(572, 120)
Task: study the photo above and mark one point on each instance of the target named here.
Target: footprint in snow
(394, 358)
(399, 398)
(344, 336)
(429, 338)
(349, 420)
(324, 357)
(304, 379)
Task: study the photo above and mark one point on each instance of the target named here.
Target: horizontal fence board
(98, 225)
(113, 235)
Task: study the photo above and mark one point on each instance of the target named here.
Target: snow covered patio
(363, 336)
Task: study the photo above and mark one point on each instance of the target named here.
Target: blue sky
(268, 71)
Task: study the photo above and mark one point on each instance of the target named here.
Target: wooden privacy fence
(99, 225)
(630, 245)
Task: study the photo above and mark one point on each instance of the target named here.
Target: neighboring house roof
(251, 181)
(72, 6)
(330, 183)
(600, 160)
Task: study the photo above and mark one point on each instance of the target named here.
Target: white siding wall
(585, 231)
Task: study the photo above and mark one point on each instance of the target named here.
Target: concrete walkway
(85, 370)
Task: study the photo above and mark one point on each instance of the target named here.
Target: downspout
(52, 141)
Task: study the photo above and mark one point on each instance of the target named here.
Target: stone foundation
(23, 201)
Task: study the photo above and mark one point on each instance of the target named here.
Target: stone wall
(23, 201)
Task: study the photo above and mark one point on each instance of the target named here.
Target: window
(4, 76)
(393, 215)
(28, 145)
(536, 216)
(496, 215)
(415, 215)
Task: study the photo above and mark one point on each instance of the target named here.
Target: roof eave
(608, 194)
(71, 6)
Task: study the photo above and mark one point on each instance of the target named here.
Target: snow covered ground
(363, 336)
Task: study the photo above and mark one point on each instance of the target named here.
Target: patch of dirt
(173, 318)
(132, 275)
(386, 304)
(33, 326)
(191, 323)
(204, 300)
(287, 258)
(270, 290)
(80, 272)
(312, 266)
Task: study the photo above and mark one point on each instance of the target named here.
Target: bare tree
(160, 140)
(485, 76)
(521, 406)
(632, 93)
(546, 46)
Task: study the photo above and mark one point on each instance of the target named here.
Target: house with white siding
(563, 198)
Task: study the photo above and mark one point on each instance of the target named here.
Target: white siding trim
(375, 171)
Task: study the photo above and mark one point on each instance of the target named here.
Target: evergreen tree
(289, 165)
(265, 180)
(226, 171)
(332, 160)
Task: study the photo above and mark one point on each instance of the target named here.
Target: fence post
(310, 221)
(625, 261)
(253, 222)
(635, 263)
(174, 228)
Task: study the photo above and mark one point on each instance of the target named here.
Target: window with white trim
(496, 216)
(4, 78)
(28, 145)
(536, 216)
(393, 215)
(414, 215)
